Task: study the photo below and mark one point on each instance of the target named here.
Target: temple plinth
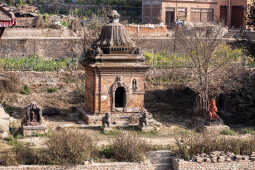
(114, 70)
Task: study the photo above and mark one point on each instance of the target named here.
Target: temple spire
(114, 38)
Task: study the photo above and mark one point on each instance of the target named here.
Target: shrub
(65, 24)
(128, 147)
(52, 90)
(69, 147)
(188, 146)
(25, 90)
(247, 131)
(228, 132)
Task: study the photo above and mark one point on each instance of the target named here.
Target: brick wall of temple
(89, 90)
(135, 99)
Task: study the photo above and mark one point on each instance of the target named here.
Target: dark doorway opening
(237, 18)
(170, 18)
(224, 15)
(120, 97)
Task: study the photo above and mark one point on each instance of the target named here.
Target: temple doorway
(120, 97)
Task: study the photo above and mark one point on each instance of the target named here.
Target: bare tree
(251, 14)
(200, 45)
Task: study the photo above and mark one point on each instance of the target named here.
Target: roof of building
(7, 18)
(5, 14)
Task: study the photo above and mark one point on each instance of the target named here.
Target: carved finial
(114, 16)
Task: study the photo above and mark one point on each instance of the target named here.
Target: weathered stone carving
(33, 123)
(106, 121)
(33, 115)
(147, 123)
(143, 121)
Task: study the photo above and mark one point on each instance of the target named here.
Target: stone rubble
(220, 156)
(4, 123)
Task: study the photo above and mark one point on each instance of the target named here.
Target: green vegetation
(164, 59)
(65, 24)
(247, 131)
(36, 63)
(228, 132)
(113, 132)
(52, 90)
(191, 145)
(25, 90)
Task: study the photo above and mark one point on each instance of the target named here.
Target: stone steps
(160, 160)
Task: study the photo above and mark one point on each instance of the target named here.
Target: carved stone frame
(115, 86)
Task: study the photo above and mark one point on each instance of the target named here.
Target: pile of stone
(220, 156)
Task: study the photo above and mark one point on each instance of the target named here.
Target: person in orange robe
(212, 110)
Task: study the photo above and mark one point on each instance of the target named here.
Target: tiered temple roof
(114, 48)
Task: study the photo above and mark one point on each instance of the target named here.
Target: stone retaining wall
(235, 165)
(95, 166)
(45, 47)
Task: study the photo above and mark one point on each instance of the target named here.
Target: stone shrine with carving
(114, 74)
(33, 123)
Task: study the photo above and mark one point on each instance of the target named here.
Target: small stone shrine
(33, 123)
(115, 70)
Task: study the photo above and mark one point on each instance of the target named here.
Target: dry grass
(128, 147)
(69, 147)
(190, 145)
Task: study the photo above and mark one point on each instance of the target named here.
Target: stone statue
(106, 121)
(33, 115)
(143, 121)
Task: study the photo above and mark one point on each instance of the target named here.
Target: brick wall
(186, 165)
(95, 166)
(46, 47)
(146, 30)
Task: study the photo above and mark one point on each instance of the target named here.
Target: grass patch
(184, 132)
(152, 133)
(52, 90)
(228, 132)
(25, 90)
(247, 131)
(113, 132)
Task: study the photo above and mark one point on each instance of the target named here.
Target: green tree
(11, 2)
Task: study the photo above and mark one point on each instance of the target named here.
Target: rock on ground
(4, 122)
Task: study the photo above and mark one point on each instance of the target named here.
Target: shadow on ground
(172, 105)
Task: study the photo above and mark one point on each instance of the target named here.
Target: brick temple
(115, 70)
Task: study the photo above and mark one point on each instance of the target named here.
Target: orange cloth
(213, 109)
